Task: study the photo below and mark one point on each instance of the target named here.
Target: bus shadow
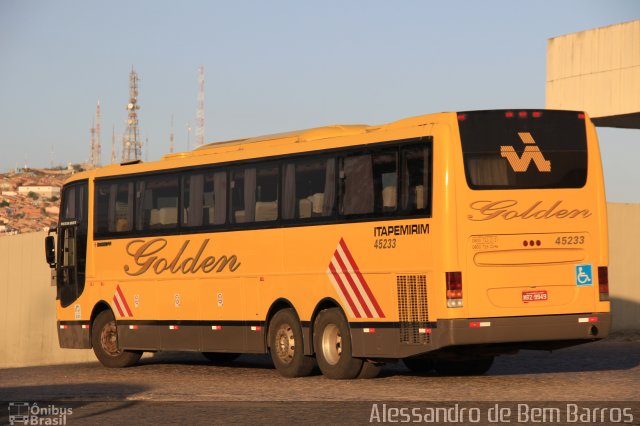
(260, 361)
(71, 392)
(618, 353)
(48, 404)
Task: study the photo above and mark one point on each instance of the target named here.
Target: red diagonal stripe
(345, 293)
(115, 302)
(353, 284)
(124, 301)
(365, 286)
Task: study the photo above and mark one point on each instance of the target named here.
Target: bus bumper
(527, 332)
(457, 332)
(74, 334)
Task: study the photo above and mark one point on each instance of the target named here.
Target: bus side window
(356, 177)
(114, 205)
(157, 203)
(204, 199)
(254, 194)
(309, 188)
(101, 208)
(416, 173)
(124, 207)
(385, 180)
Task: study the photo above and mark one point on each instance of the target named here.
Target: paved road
(172, 388)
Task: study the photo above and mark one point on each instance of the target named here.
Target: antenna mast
(171, 136)
(113, 144)
(200, 113)
(96, 148)
(92, 144)
(132, 145)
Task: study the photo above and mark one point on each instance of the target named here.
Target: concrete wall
(597, 71)
(27, 306)
(624, 265)
(27, 301)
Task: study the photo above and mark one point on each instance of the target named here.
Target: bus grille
(412, 308)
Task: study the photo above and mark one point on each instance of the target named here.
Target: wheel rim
(109, 339)
(331, 344)
(285, 343)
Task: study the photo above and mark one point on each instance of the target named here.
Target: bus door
(72, 243)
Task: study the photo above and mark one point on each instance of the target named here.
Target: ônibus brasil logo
(32, 414)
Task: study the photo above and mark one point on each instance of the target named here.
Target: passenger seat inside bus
(311, 205)
(419, 197)
(266, 210)
(164, 216)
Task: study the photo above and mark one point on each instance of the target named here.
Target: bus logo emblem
(531, 153)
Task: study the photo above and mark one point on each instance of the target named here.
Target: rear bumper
(589, 326)
(527, 332)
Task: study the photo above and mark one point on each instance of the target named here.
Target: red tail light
(536, 114)
(508, 114)
(581, 116)
(462, 117)
(522, 114)
(603, 282)
(454, 289)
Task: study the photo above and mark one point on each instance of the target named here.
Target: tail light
(603, 282)
(454, 289)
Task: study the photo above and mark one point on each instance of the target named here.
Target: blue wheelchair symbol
(584, 275)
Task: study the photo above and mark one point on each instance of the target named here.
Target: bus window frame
(279, 161)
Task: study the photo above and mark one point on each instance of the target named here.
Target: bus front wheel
(332, 344)
(104, 339)
(286, 345)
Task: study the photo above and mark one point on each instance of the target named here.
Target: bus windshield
(524, 149)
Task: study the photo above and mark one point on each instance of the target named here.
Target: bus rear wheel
(466, 367)
(332, 342)
(104, 339)
(286, 345)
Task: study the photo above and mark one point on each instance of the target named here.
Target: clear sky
(273, 66)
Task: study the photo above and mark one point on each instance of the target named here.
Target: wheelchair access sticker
(584, 275)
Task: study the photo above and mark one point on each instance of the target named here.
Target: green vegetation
(33, 195)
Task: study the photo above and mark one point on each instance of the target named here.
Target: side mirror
(50, 251)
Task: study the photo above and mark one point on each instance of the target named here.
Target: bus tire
(104, 339)
(418, 365)
(332, 343)
(220, 357)
(369, 370)
(467, 367)
(286, 345)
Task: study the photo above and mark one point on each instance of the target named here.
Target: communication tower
(96, 148)
(132, 144)
(113, 144)
(200, 113)
(171, 136)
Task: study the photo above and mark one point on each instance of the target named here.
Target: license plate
(534, 296)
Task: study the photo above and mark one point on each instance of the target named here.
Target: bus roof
(265, 141)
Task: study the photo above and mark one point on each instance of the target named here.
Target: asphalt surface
(185, 388)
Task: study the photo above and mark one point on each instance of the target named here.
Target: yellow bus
(442, 240)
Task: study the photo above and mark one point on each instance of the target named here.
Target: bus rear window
(523, 149)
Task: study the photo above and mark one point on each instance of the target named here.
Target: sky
(277, 66)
